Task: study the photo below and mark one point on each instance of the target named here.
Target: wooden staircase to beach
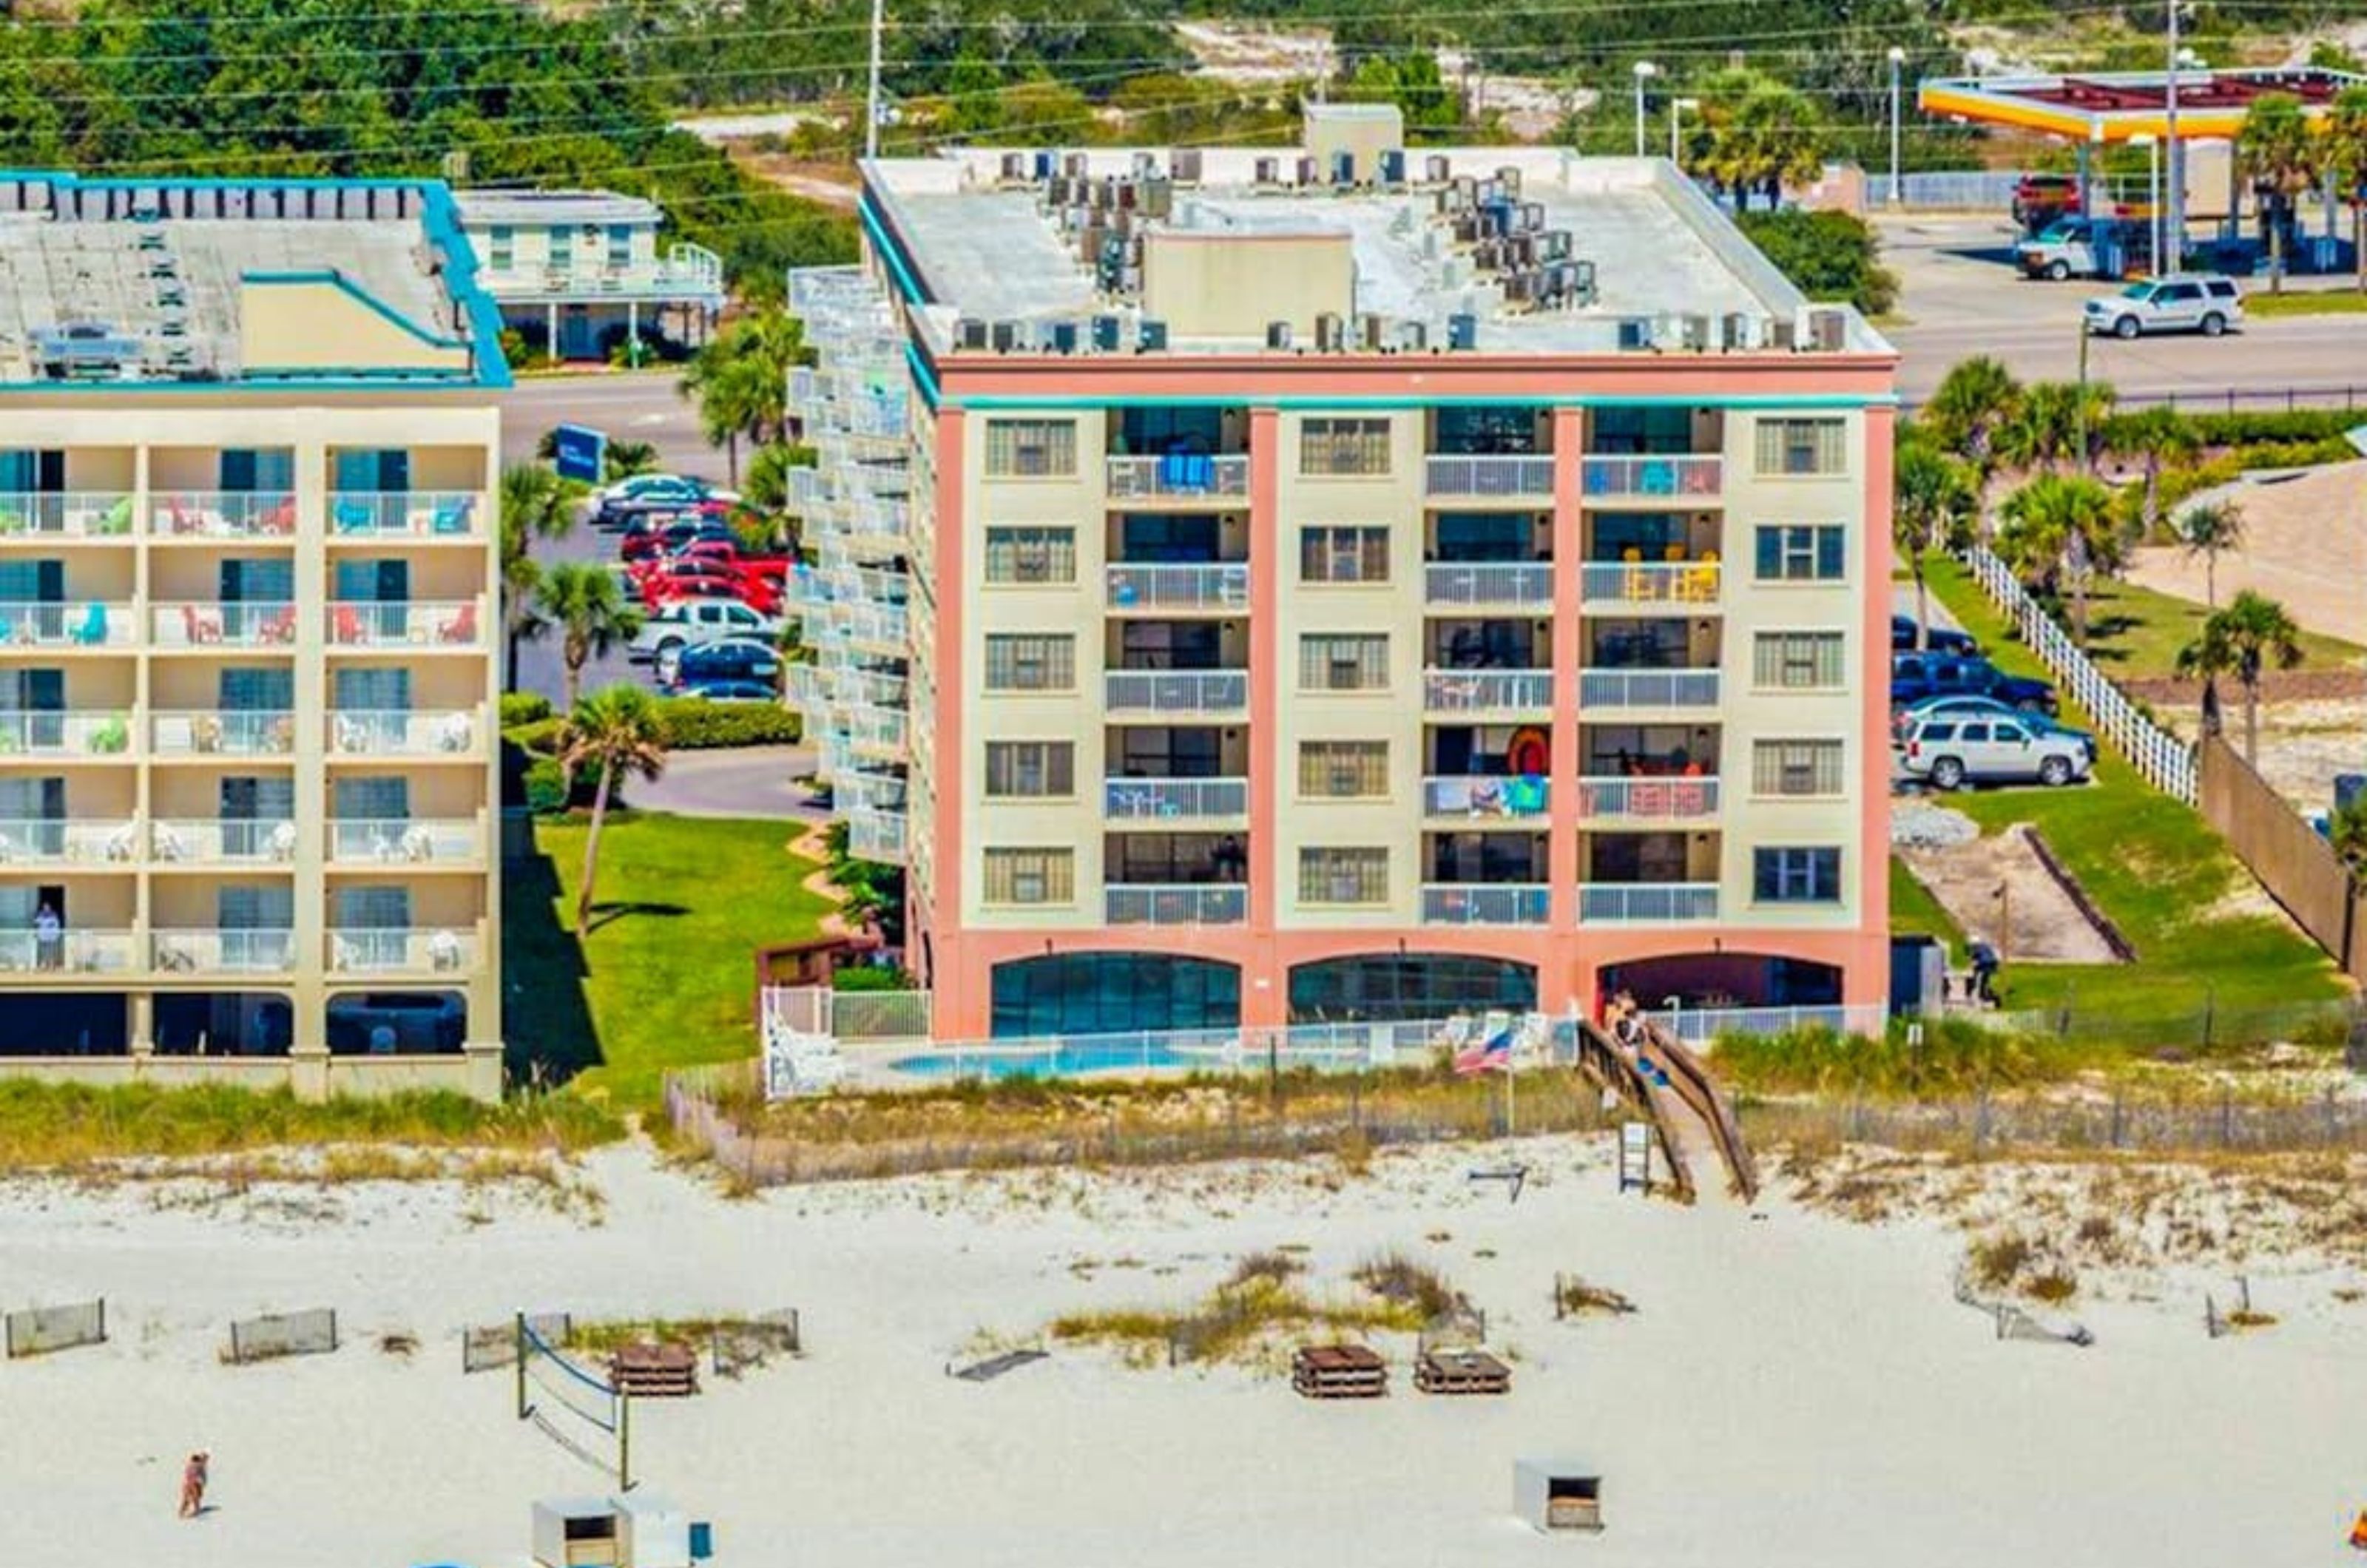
(1692, 1119)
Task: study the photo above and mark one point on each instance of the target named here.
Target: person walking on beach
(193, 1485)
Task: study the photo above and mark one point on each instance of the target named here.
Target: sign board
(1636, 1155)
(578, 453)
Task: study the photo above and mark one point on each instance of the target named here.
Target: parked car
(687, 623)
(664, 487)
(696, 579)
(732, 690)
(1939, 639)
(1971, 707)
(2076, 247)
(1956, 749)
(649, 509)
(2040, 199)
(734, 659)
(656, 540)
(2205, 302)
(1915, 676)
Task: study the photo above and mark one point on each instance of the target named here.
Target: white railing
(72, 514)
(1217, 586)
(218, 514)
(209, 951)
(1485, 903)
(1165, 799)
(1483, 476)
(30, 732)
(1681, 798)
(405, 840)
(1451, 583)
(397, 951)
(81, 624)
(881, 728)
(2164, 760)
(1176, 904)
(1483, 690)
(405, 622)
(214, 623)
(1652, 582)
(1702, 1026)
(387, 732)
(867, 792)
(877, 836)
(1180, 474)
(1651, 477)
(1647, 688)
(228, 731)
(1175, 691)
(205, 840)
(885, 624)
(425, 514)
(1647, 902)
(55, 840)
(73, 952)
(1467, 795)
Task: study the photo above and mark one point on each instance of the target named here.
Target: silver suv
(1955, 750)
(2206, 302)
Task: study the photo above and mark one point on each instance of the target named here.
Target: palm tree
(2280, 153)
(536, 504)
(1973, 402)
(623, 459)
(2153, 436)
(2206, 530)
(1758, 134)
(2347, 830)
(1934, 503)
(584, 603)
(2054, 423)
(2343, 141)
(736, 398)
(2061, 525)
(617, 730)
(2251, 633)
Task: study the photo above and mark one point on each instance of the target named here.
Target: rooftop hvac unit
(1045, 163)
(1014, 168)
(1146, 165)
(1183, 166)
(1010, 337)
(1467, 228)
(1466, 192)
(1158, 198)
(1437, 169)
(1553, 245)
(1073, 164)
(1510, 178)
(1414, 336)
(1582, 283)
(1062, 337)
(1373, 332)
(1521, 250)
(1278, 335)
(1634, 333)
(1733, 331)
(1393, 171)
(1520, 287)
(970, 333)
(1307, 171)
(1330, 332)
(1343, 168)
(1533, 216)
(1267, 172)
(1692, 331)
(1106, 334)
(1828, 331)
(1489, 256)
(1154, 335)
(1463, 331)
(1126, 196)
(1788, 334)
(1056, 193)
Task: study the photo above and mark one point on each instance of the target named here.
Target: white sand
(1794, 1389)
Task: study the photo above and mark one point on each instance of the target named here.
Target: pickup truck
(721, 552)
(2079, 247)
(687, 623)
(1915, 676)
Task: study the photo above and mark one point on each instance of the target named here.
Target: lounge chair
(93, 630)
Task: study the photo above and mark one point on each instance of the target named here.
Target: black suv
(1915, 676)
(1939, 639)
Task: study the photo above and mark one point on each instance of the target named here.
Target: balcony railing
(1174, 800)
(67, 841)
(403, 841)
(885, 624)
(857, 791)
(209, 950)
(207, 840)
(1684, 798)
(409, 623)
(65, 514)
(1647, 688)
(1175, 904)
(232, 733)
(228, 514)
(74, 951)
(29, 732)
(1485, 903)
(877, 729)
(419, 514)
(401, 951)
(1175, 691)
(1486, 690)
(1216, 586)
(210, 624)
(83, 624)
(1651, 477)
(1653, 583)
(1467, 795)
(1449, 582)
(1178, 475)
(384, 732)
(1479, 477)
(1647, 902)
(877, 836)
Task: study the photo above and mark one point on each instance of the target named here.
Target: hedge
(694, 724)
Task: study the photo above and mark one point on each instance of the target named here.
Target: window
(1030, 768)
(1031, 555)
(1796, 660)
(1802, 552)
(1802, 446)
(500, 248)
(1103, 993)
(1030, 877)
(1031, 449)
(562, 248)
(1024, 664)
(1343, 555)
(1343, 770)
(1796, 767)
(1344, 663)
(1344, 446)
(1343, 876)
(1796, 876)
(620, 246)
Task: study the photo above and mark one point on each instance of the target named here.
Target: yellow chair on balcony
(1701, 579)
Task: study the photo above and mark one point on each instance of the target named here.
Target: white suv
(1953, 749)
(691, 622)
(2206, 302)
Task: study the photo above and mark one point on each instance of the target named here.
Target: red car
(673, 580)
(650, 543)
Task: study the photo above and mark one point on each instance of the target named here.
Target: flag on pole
(1490, 1055)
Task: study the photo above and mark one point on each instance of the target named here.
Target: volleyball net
(574, 1405)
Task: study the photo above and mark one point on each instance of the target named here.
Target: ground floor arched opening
(225, 1023)
(1697, 980)
(1111, 993)
(397, 1024)
(65, 1023)
(1385, 986)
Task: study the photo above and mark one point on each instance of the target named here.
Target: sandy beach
(1795, 1387)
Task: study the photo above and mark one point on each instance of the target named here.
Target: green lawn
(2304, 302)
(1914, 912)
(2135, 633)
(667, 976)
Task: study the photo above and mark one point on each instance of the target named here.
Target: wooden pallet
(1461, 1371)
(1339, 1371)
(655, 1372)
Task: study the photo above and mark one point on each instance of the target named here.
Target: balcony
(1684, 798)
(877, 836)
(1647, 903)
(1654, 478)
(1451, 583)
(224, 841)
(223, 732)
(688, 271)
(1647, 688)
(1178, 475)
(365, 732)
(405, 840)
(1488, 691)
(68, 841)
(1684, 584)
(207, 951)
(883, 730)
(1177, 691)
(207, 624)
(1174, 800)
(401, 951)
(1469, 796)
(30, 733)
(223, 515)
(406, 514)
(1176, 904)
(1487, 478)
(73, 953)
(46, 516)
(452, 624)
(1485, 903)
(83, 624)
(884, 626)
(1223, 585)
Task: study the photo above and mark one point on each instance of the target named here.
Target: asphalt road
(748, 781)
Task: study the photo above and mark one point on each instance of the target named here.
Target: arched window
(1110, 993)
(1387, 986)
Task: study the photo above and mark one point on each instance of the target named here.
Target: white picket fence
(2165, 762)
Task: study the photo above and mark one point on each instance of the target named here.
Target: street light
(1898, 58)
(1645, 72)
(1677, 107)
(2152, 144)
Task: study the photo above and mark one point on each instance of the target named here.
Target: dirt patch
(2276, 686)
(2304, 543)
(2034, 920)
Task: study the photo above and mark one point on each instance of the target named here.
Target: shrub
(523, 707)
(692, 725)
(546, 787)
(872, 977)
(1394, 1277)
(539, 737)
(1828, 256)
(1997, 1261)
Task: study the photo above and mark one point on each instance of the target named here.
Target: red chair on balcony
(345, 626)
(279, 627)
(200, 627)
(461, 628)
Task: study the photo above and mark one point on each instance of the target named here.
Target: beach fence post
(517, 1338)
(624, 1441)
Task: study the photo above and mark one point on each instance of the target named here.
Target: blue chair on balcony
(93, 630)
(451, 515)
(351, 516)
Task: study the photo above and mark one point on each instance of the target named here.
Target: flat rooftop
(536, 208)
(987, 235)
(121, 283)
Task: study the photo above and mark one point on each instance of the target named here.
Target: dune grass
(1256, 1311)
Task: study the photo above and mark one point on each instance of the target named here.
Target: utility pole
(2079, 402)
(2176, 161)
(1898, 59)
(871, 98)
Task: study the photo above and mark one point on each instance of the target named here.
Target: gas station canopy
(2117, 106)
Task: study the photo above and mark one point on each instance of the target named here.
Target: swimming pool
(1048, 1062)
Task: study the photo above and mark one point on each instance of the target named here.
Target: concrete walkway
(750, 781)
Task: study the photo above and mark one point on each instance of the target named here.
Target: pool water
(1059, 1062)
